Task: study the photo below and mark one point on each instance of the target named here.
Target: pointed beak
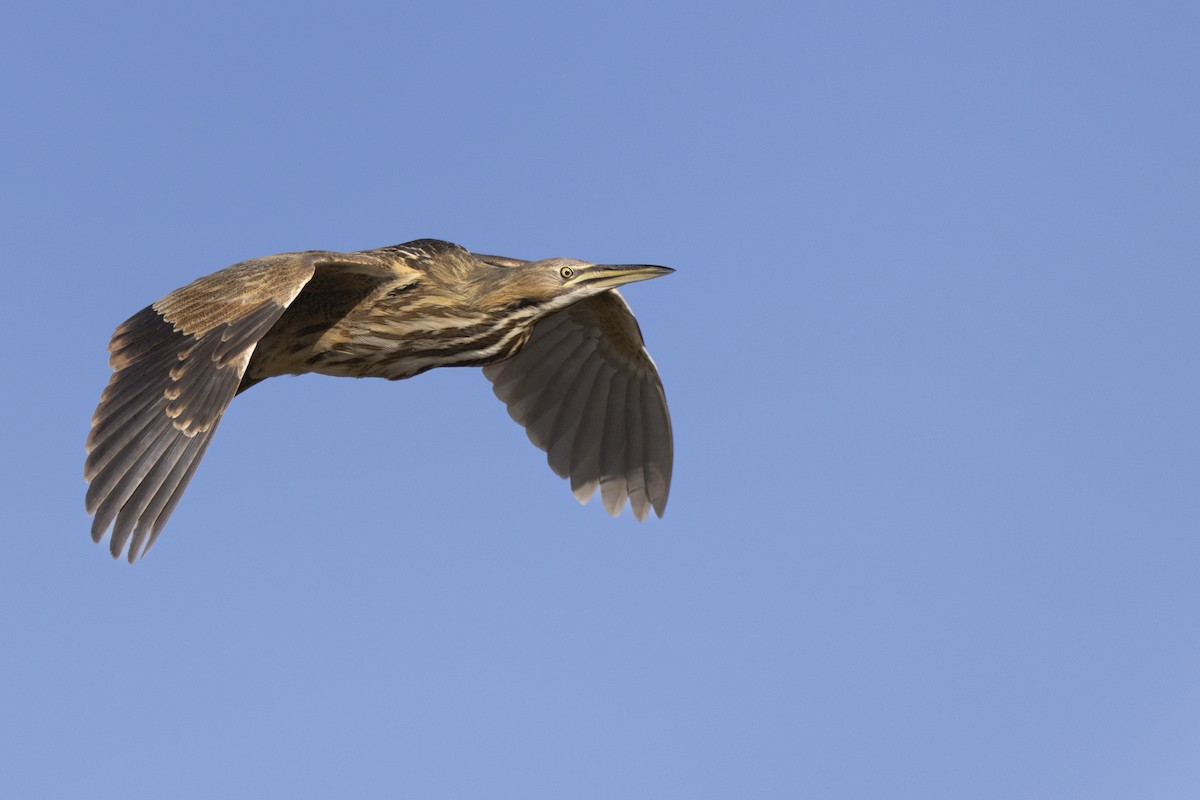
(606, 276)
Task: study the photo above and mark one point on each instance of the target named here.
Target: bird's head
(554, 283)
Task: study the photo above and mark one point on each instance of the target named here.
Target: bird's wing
(500, 261)
(176, 365)
(587, 392)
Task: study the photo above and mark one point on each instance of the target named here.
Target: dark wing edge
(176, 365)
(587, 392)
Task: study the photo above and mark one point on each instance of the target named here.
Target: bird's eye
(566, 272)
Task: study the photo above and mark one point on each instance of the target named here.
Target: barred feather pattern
(156, 419)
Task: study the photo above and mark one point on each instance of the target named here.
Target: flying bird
(559, 344)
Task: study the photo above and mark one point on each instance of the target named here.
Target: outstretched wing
(587, 392)
(176, 365)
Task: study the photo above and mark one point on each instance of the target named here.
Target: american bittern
(560, 346)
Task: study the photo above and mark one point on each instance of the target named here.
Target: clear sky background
(930, 353)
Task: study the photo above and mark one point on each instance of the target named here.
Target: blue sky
(929, 349)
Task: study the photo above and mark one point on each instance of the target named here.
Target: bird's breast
(379, 347)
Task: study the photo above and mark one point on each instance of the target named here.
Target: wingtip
(584, 491)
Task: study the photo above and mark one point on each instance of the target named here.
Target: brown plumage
(560, 346)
